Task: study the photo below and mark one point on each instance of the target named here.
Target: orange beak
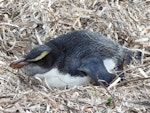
(18, 63)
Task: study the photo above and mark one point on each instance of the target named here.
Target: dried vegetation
(26, 23)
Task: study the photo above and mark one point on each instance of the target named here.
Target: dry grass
(24, 23)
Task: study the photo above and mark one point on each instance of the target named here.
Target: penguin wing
(94, 67)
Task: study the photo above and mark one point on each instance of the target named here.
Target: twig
(38, 38)
(132, 80)
(12, 47)
(113, 101)
(146, 103)
(19, 108)
(8, 24)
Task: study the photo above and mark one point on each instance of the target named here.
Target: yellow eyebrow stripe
(42, 55)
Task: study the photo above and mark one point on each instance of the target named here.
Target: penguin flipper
(95, 68)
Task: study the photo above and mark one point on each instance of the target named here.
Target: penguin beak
(18, 63)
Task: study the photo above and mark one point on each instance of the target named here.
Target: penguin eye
(41, 56)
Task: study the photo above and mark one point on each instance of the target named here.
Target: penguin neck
(57, 52)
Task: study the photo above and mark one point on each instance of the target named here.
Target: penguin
(76, 58)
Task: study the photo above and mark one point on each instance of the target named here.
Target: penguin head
(37, 53)
(37, 61)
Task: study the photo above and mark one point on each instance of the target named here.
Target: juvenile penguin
(75, 58)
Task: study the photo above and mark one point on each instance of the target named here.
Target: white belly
(54, 78)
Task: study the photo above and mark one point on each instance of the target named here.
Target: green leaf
(109, 101)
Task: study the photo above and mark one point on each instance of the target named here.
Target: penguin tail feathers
(129, 54)
(137, 54)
